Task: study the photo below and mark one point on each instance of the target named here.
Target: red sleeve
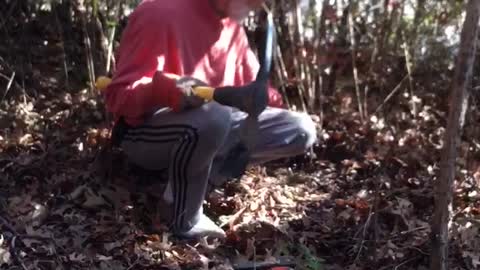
(139, 85)
(247, 71)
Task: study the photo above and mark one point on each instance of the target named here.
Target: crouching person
(172, 129)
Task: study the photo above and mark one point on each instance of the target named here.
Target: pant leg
(184, 143)
(282, 133)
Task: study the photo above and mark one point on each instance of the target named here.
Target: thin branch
(354, 63)
(62, 45)
(9, 84)
(394, 91)
(282, 74)
(81, 10)
(375, 220)
(110, 48)
(409, 64)
(405, 262)
(364, 233)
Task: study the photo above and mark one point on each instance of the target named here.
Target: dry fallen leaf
(262, 213)
(76, 257)
(277, 196)
(346, 214)
(254, 206)
(93, 199)
(39, 214)
(112, 245)
(271, 201)
(5, 256)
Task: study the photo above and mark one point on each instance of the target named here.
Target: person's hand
(189, 99)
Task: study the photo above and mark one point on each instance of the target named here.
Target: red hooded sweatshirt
(183, 37)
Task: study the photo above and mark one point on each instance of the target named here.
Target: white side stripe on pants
(187, 137)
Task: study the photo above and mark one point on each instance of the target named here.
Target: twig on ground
(405, 262)
(234, 218)
(9, 84)
(419, 250)
(364, 233)
(414, 230)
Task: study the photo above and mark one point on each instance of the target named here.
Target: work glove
(189, 100)
(251, 98)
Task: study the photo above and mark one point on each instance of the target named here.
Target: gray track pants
(192, 146)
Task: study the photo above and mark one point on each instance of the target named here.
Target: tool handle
(266, 51)
(102, 83)
(204, 92)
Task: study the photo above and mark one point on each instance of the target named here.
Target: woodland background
(376, 77)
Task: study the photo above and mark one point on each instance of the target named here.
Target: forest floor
(361, 200)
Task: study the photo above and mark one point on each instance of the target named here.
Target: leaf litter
(364, 199)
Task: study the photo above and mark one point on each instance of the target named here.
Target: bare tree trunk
(399, 28)
(81, 11)
(412, 42)
(456, 119)
(417, 20)
(319, 45)
(297, 40)
(100, 45)
(110, 57)
(62, 45)
(353, 44)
